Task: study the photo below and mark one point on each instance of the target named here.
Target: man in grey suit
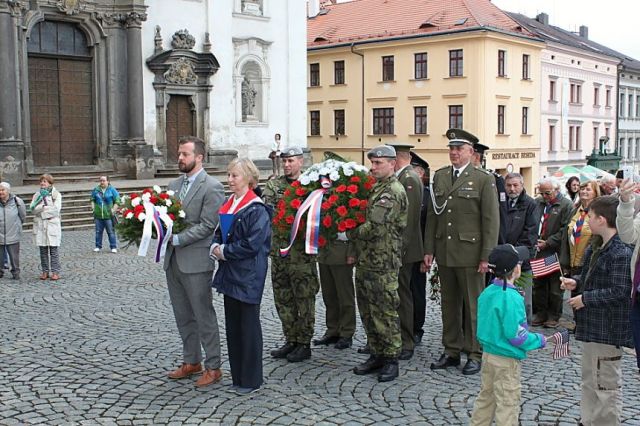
(188, 267)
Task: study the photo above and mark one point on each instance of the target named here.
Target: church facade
(113, 85)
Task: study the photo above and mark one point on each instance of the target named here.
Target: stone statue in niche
(248, 100)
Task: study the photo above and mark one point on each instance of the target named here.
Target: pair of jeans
(101, 225)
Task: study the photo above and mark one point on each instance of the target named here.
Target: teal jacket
(502, 322)
(103, 201)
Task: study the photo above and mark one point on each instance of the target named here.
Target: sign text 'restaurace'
(512, 155)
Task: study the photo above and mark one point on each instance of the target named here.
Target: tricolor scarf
(577, 228)
(228, 210)
(545, 216)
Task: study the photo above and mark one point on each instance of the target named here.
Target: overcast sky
(613, 23)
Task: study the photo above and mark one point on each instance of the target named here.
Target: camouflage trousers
(295, 286)
(378, 303)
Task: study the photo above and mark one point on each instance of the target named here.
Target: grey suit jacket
(201, 206)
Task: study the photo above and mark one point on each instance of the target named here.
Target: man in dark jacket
(602, 316)
(554, 211)
(521, 229)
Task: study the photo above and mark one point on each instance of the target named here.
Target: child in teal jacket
(505, 338)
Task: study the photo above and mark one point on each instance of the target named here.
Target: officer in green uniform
(462, 229)
(378, 244)
(412, 251)
(294, 277)
(335, 263)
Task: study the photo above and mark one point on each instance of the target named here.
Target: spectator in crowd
(46, 205)
(503, 333)
(463, 222)
(608, 185)
(602, 309)
(573, 189)
(104, 198)
(479, 160)
(11, 219)
(629, 232)
(554, 211)
(241, 246)
(577, 236)
(522, 230)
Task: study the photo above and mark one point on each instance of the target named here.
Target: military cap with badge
(294, 151)
(382, 151)
(458, 137)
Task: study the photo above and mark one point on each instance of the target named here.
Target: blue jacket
(246, 251)
(502, 322)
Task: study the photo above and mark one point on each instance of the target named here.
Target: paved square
(94, 348)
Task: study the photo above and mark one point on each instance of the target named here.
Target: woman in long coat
(47, 227)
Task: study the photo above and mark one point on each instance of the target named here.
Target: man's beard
(186, 168)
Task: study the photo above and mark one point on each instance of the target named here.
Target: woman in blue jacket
(241, 246)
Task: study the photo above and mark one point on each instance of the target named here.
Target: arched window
(58, 38)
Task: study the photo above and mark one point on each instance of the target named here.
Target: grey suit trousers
(191, 299)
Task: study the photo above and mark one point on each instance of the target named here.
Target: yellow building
(378, 73)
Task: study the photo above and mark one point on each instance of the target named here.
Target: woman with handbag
(46, 205)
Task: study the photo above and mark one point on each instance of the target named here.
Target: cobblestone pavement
(94, 348)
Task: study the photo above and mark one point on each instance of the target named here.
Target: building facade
(111, 86)
(418, 75)
(578, 96)
(629, 114)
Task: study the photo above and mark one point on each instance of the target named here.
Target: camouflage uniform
(379, 246)
(294, 277)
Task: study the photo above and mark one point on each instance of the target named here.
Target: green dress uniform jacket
(412, 250)
(467, 229)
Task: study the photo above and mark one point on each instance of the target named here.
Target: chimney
(543, 18)
(313, 8)
(584, 32)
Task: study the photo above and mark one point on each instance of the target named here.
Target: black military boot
(300, 353)
(284, 350)
(389, 371)
(373, 364)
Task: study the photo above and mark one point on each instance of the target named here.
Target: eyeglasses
(547, 193)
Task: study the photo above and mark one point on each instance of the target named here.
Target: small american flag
(545, 266)
(561, 340)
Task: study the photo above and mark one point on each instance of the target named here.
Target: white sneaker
(114, 250)
(96, 249)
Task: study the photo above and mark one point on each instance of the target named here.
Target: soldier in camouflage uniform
(294, 277)
(379, 249)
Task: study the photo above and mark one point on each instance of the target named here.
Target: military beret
(459, 137)
(382, 151)
(480, 148)
(399, 147)
(293, 151)
(416, 160)
(620, 174)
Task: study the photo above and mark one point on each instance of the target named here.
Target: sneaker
(114, 250)
(95, 250)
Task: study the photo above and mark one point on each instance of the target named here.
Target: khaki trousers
(499, 396)
(601, 402)
(405, 311)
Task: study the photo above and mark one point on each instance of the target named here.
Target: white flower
(129, 215)
(324, 171)
(123, 199)
(334, 176)
(168, 202)
(135, 202)
(182, 214)
(170, 193)
(314, 176)
(305, 180)
(162, 209)
(142, 217)
(347, 171)
(157, 189)
(146, 197)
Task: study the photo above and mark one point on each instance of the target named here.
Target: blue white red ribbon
(313, 204)
(163, 224)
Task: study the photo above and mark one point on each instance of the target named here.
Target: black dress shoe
(325, 340)
(284, 350)
(417, 337)
(365, 350)
(373, 364)
(405, 354)
(389, 371)
(471, 367)
(343, 343)
(300, 353)
(444, 362)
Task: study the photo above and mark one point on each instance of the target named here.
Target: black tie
(456, 173)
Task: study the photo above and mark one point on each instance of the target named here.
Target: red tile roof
(359, 20)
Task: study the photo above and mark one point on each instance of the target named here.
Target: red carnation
(342, 211)
(363, 204)
(332, 198)
(354, 202)
(360, 217)
(326, 205)
(341, 188)
(371, 179)
(287, 192)
(295, 203)
(172, 216)
(326, 221)
(368, 186)
(300, 192)
(296, 183)
(321, 241)
(153, 200)
(281, 204)
(134, 195)
(354, 179)
(164, 196)
(352, 189)
(289, 219)
(350, 223)
(147, 191)
(342, 227)
(138, 209)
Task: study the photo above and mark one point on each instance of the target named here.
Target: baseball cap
(504, 258)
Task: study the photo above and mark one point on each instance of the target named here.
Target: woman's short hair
(46, 177)
(248, 170)
(594, 186)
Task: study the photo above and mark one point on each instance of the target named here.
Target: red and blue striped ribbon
(160, 232)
